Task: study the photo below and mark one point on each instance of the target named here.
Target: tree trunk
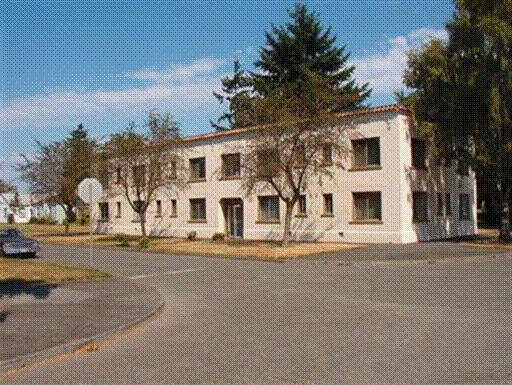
(287, 223)
(143, 223)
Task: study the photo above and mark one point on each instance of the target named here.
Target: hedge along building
(391, 189)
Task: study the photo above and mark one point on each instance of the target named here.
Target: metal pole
(90, 224)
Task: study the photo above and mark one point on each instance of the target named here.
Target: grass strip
(14, 270)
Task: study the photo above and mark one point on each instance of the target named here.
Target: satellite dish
(90, 190)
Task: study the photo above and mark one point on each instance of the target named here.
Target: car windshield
(10, 233)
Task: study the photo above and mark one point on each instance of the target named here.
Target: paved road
(250, 322)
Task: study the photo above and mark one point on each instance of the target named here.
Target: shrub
(34, 220)
(192, 235)
(122, 239)
(144, 243)
(218, 237)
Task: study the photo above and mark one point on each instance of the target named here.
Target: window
(103, 206)
(198, 209)
(269, 208)
(174, 208)
(463, 167)
(419, 153)
(158, 208)
(419, 206)
(138, 206)
(22, 213)
(118, 175)
(174, 173)
(367, 206)
(448, 204)
(366, 152)
(327, 154)
(301, 206)
(230, 165)
(268, 163)
(198, 169)
(440, 206)
(328, 206)
(118, 210)
(104, 178)
(300, 157)
(139, 175)
(464, 207)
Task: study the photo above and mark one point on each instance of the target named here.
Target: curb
(41, 355)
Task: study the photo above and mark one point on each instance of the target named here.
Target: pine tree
(293, 53)
(301, 47)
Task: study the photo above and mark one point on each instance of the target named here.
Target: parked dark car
(14, 243)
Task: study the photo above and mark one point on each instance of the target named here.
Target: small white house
(391, 190)
(12, 211)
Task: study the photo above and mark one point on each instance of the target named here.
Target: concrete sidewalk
(43, 320)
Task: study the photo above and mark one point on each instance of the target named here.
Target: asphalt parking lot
(228, 321)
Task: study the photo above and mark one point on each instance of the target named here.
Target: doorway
(234, 215)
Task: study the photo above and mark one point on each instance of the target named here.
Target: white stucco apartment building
(390, 191)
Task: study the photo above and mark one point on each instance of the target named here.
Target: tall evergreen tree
(301, 47)
(293, 52)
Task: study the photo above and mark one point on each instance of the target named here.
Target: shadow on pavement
(39, 291)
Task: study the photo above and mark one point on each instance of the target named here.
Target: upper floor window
(118, 174)
(464, 207)
(327, 155)
(173, 172)
(231, 165)
(419, 206)
(104, 178)
(139, 175)
(419, 153)
(198, 168)
(367, 206)
(366, 152)
(267, 163)
(463, 166)
(269, 208)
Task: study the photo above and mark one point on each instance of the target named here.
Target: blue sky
(106, 62)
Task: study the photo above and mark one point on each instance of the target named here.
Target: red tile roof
(363, 111)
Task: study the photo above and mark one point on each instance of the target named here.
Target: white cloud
(384, 69)
(181, 88)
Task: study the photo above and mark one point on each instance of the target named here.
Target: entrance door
(235, 219)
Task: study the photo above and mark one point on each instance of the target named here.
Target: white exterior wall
(395, 179)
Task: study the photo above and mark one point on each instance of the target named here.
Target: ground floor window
(448, 201)
(118, 207)
(138, 205)
(464, 207)
(420, 206)
(440, 206)
(103, 206)
(198, 209)
(158, 208)
(367, 206)
(268, 208)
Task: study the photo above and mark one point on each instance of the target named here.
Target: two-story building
(391, 190)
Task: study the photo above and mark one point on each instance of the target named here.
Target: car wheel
(31, 255)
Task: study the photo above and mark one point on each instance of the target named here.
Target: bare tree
(143, 164)
(54, 171)
(298, 138)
